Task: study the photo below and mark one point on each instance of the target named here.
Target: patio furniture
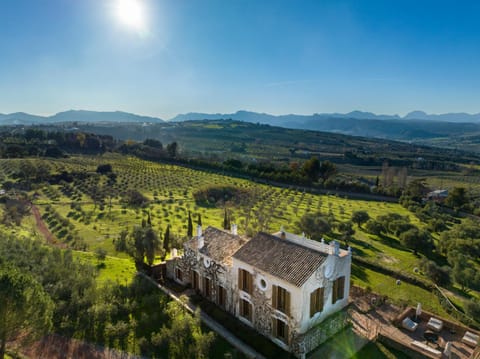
(435, 324)
(430, 336)
(409, 324)
(470, 339)
(426, 348)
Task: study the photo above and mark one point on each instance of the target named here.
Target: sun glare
(131, 13)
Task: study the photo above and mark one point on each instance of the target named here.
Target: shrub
(374, 227)
(135, 199)
(439, 275)
(218, 195)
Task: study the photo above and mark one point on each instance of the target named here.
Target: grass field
(377, 350)
(114, 269)
(402, 293)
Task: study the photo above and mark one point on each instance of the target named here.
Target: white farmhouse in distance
(286, 287)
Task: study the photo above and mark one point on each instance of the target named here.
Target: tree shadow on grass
(436, 257)
(392, 242)
(358, 247)
(359, 273)
(461, 293)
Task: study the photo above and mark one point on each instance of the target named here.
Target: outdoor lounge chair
(435, 324)
(470, 339)
(409, 324)
(425, 348)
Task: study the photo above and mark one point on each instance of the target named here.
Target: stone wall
(320, 333)
(170, 267)
(399, 346)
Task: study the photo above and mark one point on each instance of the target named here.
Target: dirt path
(43, 229)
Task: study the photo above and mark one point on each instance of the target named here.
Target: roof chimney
(336, 248)
(200, 241)
(234, 229)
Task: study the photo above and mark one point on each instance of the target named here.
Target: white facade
(284, 297)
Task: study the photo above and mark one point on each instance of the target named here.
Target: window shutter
(287, 303)
(274, 327)
(286, 334)
(341, 287)
(321, 293)
(313, 304)
(334, 291)
(240, 279)
(250, 283)
(274, 296)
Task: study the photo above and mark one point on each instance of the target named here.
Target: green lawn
(378, 350)
(113, 269)
(403, 293)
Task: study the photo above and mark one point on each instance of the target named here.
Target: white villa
(283, 285)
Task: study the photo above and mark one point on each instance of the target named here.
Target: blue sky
(224, 55)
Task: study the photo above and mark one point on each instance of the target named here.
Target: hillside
(417, 126)
(248, 140)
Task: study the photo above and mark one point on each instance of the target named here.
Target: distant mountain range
(22, 118)
(416, 125)
(357, 115)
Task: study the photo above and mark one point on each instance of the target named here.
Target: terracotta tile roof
(281, 258)
(219, 245)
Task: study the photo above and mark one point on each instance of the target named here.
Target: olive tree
(24, 307)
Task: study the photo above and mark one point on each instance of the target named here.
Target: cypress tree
(166, 240)
(199, 222)
(226, 220)
(190, 225)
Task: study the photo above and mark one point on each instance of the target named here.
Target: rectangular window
(245, 281)
(280, 330)
(338, 289)
(207, 287)
(316, 301)
(195, 283)
(221, 295)
(179, 274)
(281, 299)
(245, 309)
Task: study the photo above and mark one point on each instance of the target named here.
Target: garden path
(212, 324)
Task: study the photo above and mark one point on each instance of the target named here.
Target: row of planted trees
(144, 243)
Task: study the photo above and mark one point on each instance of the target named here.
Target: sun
(131, 14)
